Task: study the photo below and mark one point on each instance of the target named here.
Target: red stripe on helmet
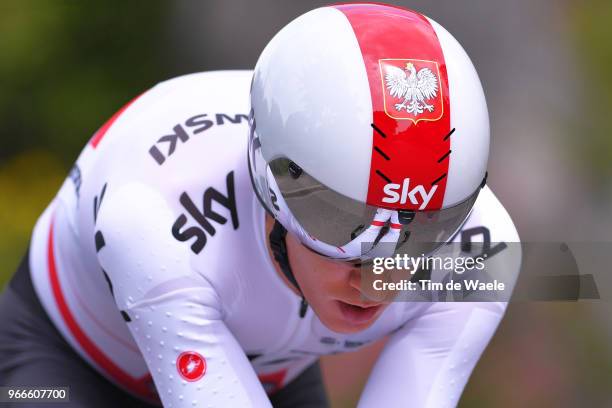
(407, 141)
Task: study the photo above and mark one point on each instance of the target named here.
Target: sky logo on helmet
(411, 89)
(418, 195)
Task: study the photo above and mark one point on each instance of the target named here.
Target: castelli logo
(191, 365)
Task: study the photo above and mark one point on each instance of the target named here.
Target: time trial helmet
(369, 131)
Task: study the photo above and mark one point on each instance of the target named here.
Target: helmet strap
(281, 256)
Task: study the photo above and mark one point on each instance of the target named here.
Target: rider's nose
(355, 279)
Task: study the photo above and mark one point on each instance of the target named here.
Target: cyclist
(174, 267)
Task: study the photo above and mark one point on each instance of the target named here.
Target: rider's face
(332, 289)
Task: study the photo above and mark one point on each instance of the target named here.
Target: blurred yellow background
(65, 67)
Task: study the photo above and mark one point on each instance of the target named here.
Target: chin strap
(279, 249)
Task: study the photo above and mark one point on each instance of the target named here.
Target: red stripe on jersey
(272, 382)
(97, 137)
(139, 386)
(404, 44)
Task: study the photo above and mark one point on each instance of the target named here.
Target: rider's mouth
(357, 314)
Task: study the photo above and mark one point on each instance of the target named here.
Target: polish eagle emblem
(414, 88)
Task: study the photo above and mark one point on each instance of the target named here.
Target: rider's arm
(429, 360)
(171, 308)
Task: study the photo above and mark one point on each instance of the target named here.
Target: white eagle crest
(415, 88)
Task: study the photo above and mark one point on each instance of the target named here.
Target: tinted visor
(337, 220)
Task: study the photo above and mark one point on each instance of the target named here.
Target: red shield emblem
(411, 89)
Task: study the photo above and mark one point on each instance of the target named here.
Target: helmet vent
(294, 170)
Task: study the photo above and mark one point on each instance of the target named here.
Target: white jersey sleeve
(171, 308)
(428, 362)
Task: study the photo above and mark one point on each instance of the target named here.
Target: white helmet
(368, 126)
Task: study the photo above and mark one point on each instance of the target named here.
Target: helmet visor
(355, 228)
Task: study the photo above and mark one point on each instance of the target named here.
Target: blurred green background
(65, 67)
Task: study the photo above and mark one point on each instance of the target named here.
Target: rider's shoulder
(491, 216)
(167, 123)
(195, 93)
